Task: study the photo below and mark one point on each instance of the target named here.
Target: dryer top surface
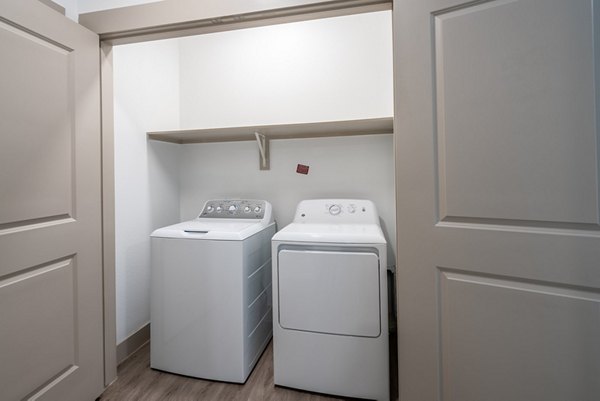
(331, 233)
(334, 221)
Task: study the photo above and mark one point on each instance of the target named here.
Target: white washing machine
(330, 333)
(211, 314)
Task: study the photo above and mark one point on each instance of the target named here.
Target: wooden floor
(138, 382)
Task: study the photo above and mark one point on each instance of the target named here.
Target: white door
(498, 208)
(51, 329)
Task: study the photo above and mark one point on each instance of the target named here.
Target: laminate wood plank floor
(136, 381)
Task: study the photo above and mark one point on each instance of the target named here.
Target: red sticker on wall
(302, 169)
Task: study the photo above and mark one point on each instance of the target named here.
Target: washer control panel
(234, 209)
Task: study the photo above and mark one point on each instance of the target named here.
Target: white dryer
(330, 308)
(211, 314)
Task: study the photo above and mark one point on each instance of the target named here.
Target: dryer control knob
(334, 210)
(232, 208)
(219, 209)
(210, 209)
(257, 209)
(247, 209)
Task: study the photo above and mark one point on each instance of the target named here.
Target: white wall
(353, 167)
(71, 9)
(75, 7)
(328, 69)
(87, 6)
(146, 85)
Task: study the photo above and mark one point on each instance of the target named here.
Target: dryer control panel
(336, 211)
(235, 209)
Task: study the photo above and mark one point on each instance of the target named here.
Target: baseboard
(132, 343)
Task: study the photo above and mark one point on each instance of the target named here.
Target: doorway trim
(108, 213)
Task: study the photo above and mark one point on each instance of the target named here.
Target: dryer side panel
(329, 292)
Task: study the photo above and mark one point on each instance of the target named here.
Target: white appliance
(330, 300)
(211, 291)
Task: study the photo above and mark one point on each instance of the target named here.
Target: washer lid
(344, 233)
(223, 219)
(212, 229)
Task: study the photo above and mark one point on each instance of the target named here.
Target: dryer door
(329, 292)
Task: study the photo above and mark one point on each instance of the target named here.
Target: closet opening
(332, 74)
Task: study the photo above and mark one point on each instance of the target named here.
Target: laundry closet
(336, 72)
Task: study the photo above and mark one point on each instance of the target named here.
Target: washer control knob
(232, 208)
(247, 209)
(351, 208)
(334, 210)
(219, 209)
(210, 209)
(257, 209)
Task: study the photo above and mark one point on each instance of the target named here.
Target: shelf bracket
(263, 149)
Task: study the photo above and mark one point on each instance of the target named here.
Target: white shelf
(371, 126)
